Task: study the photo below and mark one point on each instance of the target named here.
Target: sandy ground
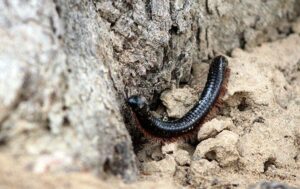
(255, 137)
(14, 175)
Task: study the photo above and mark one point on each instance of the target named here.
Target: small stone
(169, 148)
(182, 175)
(178, 101)
(203, 166)
(213, 127)
(182, 157)
(165, 166)
(221, 149)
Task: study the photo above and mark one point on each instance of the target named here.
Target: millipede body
(168, 130)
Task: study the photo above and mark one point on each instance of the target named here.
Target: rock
(182, 157)
(199, 76)
(150, 152)
(201, 170)
(166, 166)
(221, 149)
(213, 127)
(169, 148)
(55, 85)
(181, 175)
(202, 167)
(178, 101)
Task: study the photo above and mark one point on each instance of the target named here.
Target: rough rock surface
(213, 127)
(221, 149)
(155, 43)
(56, 94)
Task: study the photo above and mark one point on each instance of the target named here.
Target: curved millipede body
(168, 130)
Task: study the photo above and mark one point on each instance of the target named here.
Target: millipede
(202, 111)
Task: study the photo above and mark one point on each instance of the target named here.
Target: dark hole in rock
(235, 185)
(181, 56)
(106, 166)
(58, 10)
(242, 42)
(269, 163)
(243, 105)
(3, 139)
(112, 24)
(64, 108)
(66, 121)
(183, 83)
(174, 30)
(211, 155)
(48, 128)
(296, 158)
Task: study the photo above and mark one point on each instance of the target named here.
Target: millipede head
(221, 59)
(137, 102)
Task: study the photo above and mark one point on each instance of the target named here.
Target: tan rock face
(55, 95)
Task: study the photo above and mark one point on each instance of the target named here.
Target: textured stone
(178, 101)
(166, 166)
(55, 85)
(182, 157)
(213, 127)
(221, 149)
